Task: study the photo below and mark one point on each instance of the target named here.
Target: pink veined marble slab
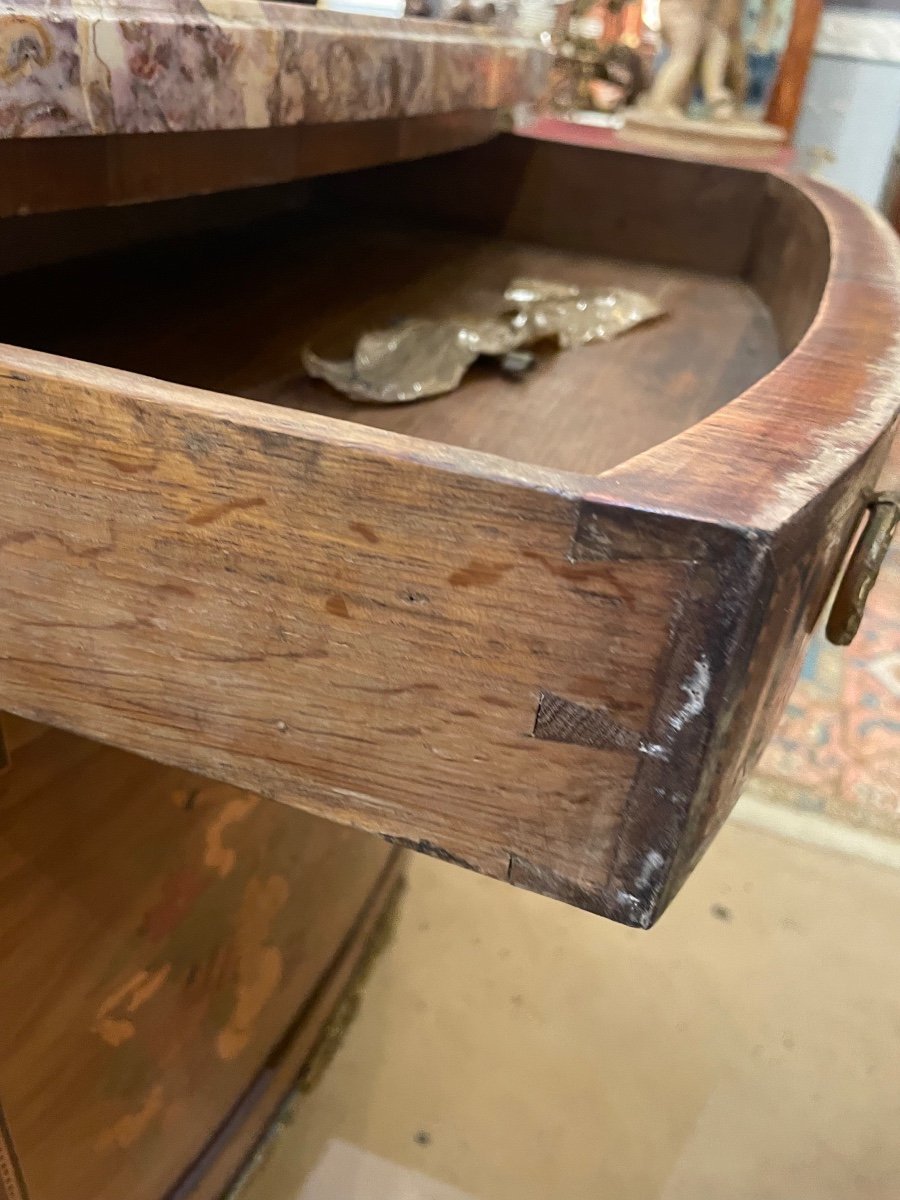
(122, 66)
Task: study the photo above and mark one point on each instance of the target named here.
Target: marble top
(70, 68)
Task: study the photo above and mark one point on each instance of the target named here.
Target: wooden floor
(231, 312)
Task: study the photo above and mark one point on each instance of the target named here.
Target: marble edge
(71, 68)
(264, 14)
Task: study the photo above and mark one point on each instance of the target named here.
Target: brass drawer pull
(862, 569)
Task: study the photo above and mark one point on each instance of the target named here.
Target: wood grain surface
(12, 1185)
(178, 316)
(171, 950)
(49, 175)
(554, 676)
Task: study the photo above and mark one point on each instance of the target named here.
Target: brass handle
(862, 569)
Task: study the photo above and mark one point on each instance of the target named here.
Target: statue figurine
(706, 47)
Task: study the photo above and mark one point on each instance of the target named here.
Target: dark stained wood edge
(713, 635)
(12, 1182)
(790, 260)
(40, 238)
(49, 175)
(236, 1140)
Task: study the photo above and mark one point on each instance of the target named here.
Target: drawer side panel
(368, 638)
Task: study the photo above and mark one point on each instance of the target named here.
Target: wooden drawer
(541, 629)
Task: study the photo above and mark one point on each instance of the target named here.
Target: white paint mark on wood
(695, 689)
(351, 795)
(653, 750)
(652, 864)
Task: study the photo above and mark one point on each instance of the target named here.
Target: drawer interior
(231, 310)
(551, 679)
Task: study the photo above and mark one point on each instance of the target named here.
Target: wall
(851, 112)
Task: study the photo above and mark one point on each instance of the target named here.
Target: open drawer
(539, 629)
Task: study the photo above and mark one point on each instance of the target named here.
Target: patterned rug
(837, 750)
